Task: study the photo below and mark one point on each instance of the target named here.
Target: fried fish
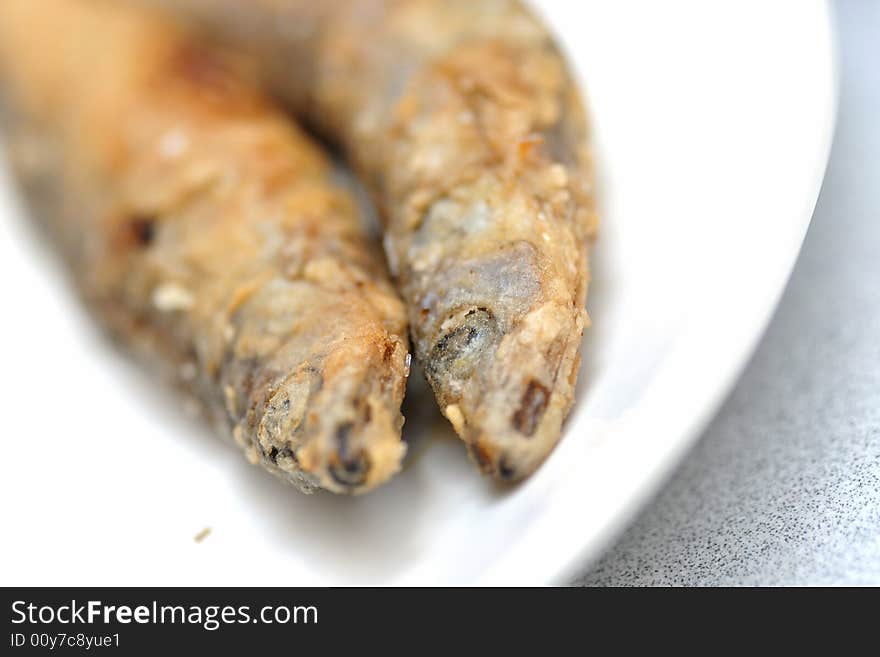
(208, 234)
(461, 117)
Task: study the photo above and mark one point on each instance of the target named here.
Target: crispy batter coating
(462, 118)
(208, 233)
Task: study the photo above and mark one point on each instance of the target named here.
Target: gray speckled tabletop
(784, 486)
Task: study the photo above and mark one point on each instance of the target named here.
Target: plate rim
(591, 547)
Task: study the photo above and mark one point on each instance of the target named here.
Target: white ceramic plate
(712, 124)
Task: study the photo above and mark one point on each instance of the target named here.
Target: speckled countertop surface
(784, 486)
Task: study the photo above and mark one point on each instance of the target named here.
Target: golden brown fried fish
(461, 117)
(208, 234)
